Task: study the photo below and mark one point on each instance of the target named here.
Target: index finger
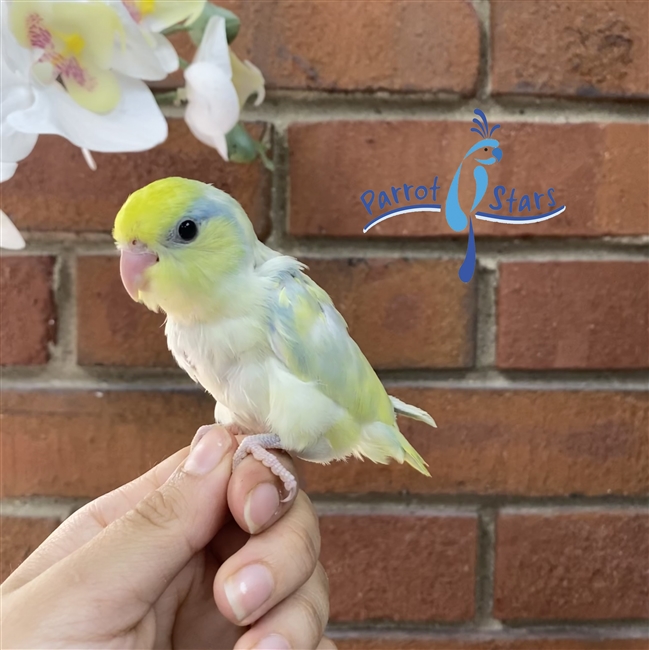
(90, 520)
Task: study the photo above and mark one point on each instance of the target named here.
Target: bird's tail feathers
(414, 459)
(413, 412)
(379, 442)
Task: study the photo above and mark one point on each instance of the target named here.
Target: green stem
(174, 29)
(268, 163)
(166, 98)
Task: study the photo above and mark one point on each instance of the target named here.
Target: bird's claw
(258, 446)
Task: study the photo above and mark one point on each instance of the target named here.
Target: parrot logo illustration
(485, 152)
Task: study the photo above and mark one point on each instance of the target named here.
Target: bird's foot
(258, 445)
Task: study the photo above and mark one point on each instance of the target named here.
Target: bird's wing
(310, 337)
(481, 181)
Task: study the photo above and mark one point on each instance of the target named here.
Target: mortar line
(483, 13)
(40, 507)
(290, 106)
(578, 630)
(118, 378)
(391, 503)
(63, 352)
(285, 107)
(485, 566)
(484, 507)
(280, 188)
(490, 250)
(487, 248)
(486, 318)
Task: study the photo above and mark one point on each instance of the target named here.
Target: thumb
(137, 555)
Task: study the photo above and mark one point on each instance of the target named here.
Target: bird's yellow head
(180, 242)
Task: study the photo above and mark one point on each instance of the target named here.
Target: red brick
(489, 442)
(72, 197)
(537, 443)
(573, 315)
(368, 46)
(403, 313)
(27, 310)
(112, 329)
(400, 567)
(83, 444)
(393, 314)
(608, 196)
(587, 49)
(395, 641)
(583, 565)
(18, 538)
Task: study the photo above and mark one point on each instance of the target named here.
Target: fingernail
(208, 452)
(262, 503)
(248, 589)
(273, 642)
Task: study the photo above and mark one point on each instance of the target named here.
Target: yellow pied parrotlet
(258, 334)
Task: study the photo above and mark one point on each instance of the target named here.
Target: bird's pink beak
(132, 266)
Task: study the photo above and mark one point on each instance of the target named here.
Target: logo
(482, 155)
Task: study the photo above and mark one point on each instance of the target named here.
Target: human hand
(148, 564)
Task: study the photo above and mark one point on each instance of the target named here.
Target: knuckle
(315, 607)
(160, 508)
(322, 579)
(306, 545)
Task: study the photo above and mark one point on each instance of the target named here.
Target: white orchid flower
(56, 79)
(73, 42)
(217, 85)
(93, 107)
(15, 95)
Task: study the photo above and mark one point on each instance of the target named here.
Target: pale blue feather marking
(324, 354)
(481, 182)
(455, 217)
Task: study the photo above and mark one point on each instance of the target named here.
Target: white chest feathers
(234, 362)
(228, 359)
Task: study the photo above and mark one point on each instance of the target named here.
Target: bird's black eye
(486, 149)
(187, 230)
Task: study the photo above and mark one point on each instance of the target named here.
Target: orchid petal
(15, 58)
(142, 54)
(90, 161)
(7, 170)
(213, 104)
(9, 236)
(214, 46)
(247, 80)
(166, 53)
(135, 124)
(99, 92)
(15, 145)
(166, 14)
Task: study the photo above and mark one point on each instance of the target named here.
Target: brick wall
(533, 530)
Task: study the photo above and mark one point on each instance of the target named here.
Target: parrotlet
(258, 334)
